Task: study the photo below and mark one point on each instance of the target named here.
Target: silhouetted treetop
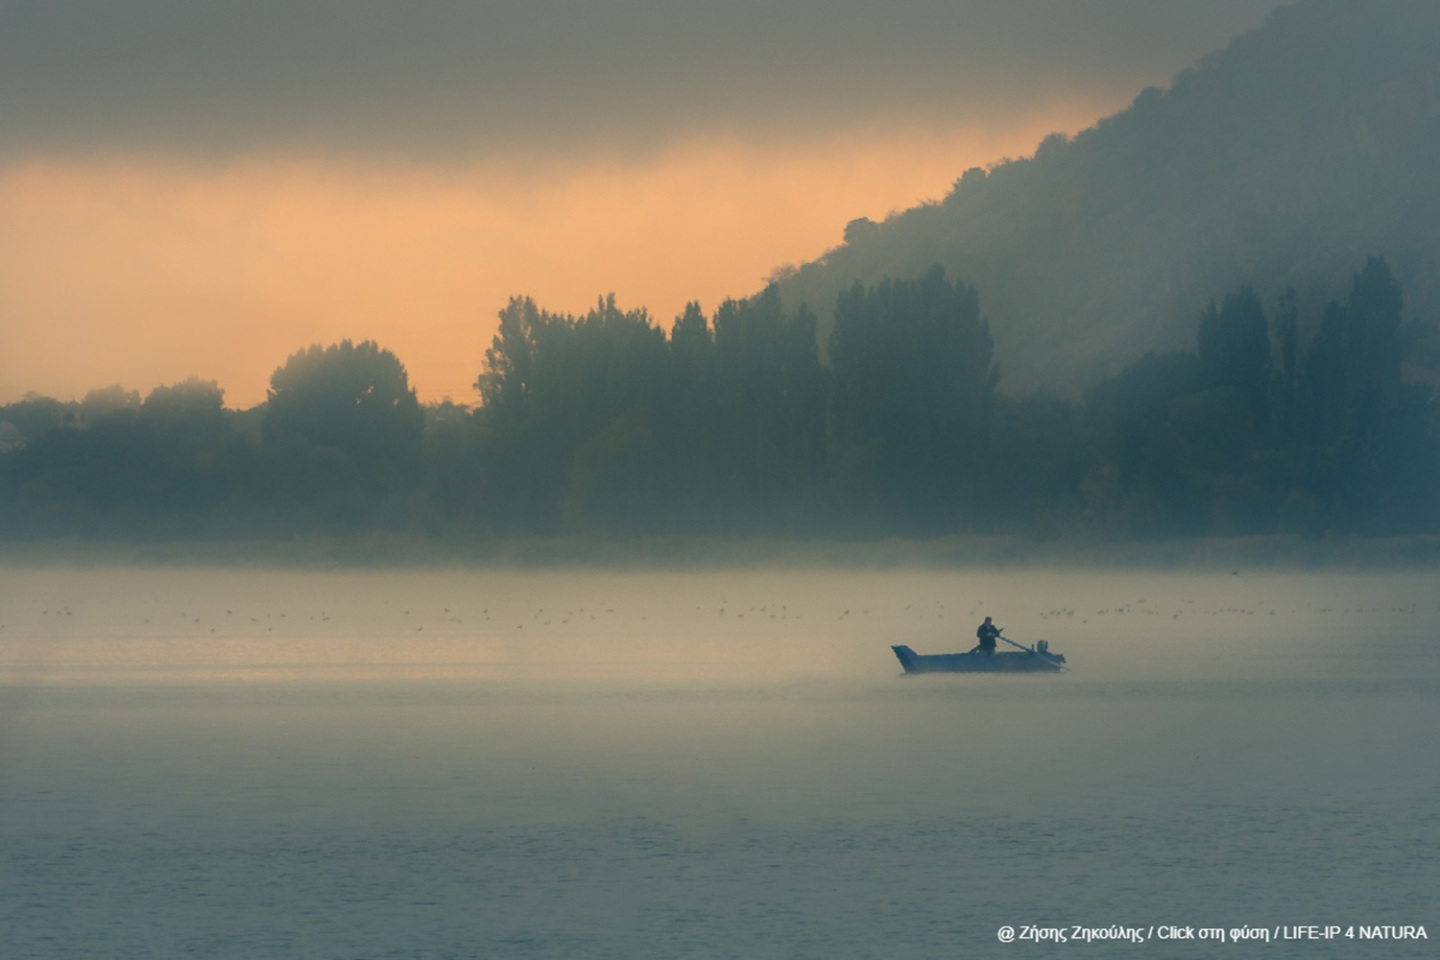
(914, 383)
(600, 425)
(355, 398)
(191, 405)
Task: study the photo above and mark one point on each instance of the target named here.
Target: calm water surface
(250, 763)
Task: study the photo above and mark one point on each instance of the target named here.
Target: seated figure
(987, 632)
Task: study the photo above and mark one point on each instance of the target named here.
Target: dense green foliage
(602, 425)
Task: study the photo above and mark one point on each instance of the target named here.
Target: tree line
(735, 424)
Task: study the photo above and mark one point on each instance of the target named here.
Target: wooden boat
(1036, 659)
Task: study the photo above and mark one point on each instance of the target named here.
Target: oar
(1018, 646)
(1029, 650)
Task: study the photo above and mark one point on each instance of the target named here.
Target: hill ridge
(1282, 160)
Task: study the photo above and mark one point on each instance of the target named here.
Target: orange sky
(144, 273)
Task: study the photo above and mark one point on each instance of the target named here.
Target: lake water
(484, 763)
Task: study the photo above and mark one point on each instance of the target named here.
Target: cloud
(444, 78)
(204, 186)
(146, 273)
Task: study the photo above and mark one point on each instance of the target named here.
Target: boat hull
(1009, 661)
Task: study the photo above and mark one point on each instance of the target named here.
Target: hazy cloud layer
(445, 77)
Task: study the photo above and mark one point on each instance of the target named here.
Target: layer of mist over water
(488, 763)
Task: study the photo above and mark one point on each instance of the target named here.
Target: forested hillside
(1277, 162)
(1213, 313)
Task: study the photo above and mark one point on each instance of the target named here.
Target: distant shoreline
(379, 551)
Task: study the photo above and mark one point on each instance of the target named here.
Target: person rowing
(988, 633)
